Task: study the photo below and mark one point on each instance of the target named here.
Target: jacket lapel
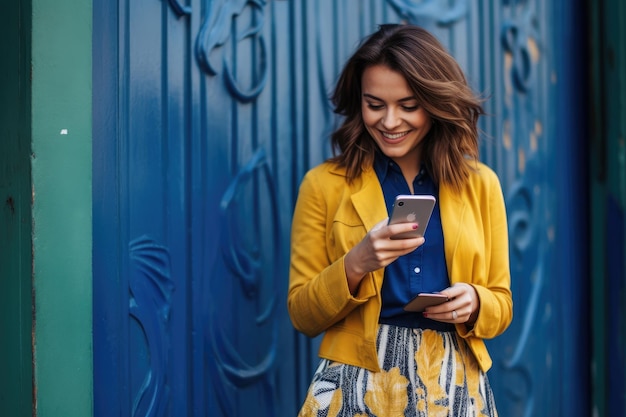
(368, 200)
(369, 204)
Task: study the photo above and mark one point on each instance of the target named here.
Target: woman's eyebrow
(371, 96)
(380, 99)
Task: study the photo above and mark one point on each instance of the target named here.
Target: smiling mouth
(394, 135)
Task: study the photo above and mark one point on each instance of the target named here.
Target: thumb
(380, 224)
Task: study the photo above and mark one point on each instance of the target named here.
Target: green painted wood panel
(15, 213)
(61, 184)
(45, 209)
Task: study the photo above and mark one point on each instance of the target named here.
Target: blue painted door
(206, 115)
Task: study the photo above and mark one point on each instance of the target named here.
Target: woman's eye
(374, 106)
(410, 108)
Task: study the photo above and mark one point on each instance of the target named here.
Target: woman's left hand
(462, 306)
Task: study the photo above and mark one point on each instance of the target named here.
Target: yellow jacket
(331, 216)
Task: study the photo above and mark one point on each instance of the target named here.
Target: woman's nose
(390, 120)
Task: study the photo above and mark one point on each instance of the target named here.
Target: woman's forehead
(380, 81)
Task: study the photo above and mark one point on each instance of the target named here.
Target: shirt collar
(382, 163)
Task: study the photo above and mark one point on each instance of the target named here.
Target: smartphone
(423, 300)
(412, 209)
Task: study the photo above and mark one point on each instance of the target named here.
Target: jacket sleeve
(494, 291)
(318, 294)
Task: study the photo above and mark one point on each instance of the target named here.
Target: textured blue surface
(206, 116)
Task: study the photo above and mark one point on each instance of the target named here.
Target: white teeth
(393, 136)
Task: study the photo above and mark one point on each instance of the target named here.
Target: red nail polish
(414, 226)
(425, 314)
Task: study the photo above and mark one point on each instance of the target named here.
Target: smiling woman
(410, 127)
(394, 118)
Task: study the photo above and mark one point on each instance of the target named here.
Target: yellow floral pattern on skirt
(424, 373)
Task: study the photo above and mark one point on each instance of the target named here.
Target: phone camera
(401, 203)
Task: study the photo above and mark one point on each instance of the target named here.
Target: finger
(394, 229)
(450, 316)
(383, 236)
(458, 290)
(401, 247)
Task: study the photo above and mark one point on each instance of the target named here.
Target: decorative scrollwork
(521, 229)
(151, 288)
(518, 38)
(526, 200)
(214, 37)
(179, 9)
(438, 11)
(228, 367)
(245, 264)
(528, 263)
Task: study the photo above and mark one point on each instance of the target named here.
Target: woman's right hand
(378, 250)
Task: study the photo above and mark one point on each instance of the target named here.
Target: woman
(409, 127)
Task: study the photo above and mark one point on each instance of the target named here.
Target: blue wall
(206, 116)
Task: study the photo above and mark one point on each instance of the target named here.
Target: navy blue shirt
(424, 269)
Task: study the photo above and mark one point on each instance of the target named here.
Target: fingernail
(414, 226)
(425, 314)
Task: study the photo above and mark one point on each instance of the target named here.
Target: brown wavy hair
(436, 79)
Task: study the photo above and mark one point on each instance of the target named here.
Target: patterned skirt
(424, 373)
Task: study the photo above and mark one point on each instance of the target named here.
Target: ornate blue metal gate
(207, 114)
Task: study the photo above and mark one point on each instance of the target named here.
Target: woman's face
(393, 116)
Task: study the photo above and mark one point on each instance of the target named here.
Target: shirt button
(417, 270)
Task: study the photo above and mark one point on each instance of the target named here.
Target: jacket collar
(367, 196)
(368, 200)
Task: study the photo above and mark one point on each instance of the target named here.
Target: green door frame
(608, 191)
(46, 364)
